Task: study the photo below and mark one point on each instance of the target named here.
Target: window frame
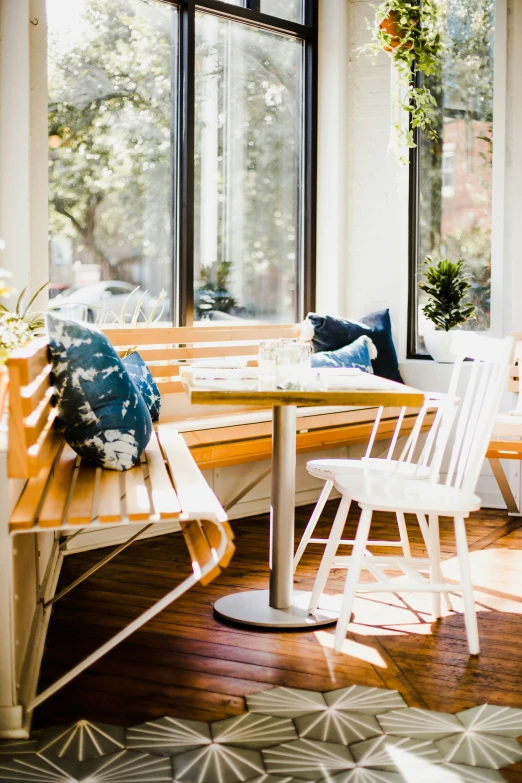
(182, 260)
(498, 196)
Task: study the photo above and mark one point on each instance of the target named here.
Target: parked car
(103, 301)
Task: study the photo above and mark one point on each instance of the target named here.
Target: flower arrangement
(21, 325)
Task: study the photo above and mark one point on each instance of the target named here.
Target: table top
(230, 392)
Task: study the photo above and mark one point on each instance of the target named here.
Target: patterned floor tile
(480, 750)
(504, 721)
(82, 740)
(168, 736)
(18, 747)
(253, 731)
(393, 754)
(370, 701)
(37, 768)
(216, 764)
(457, 773)
(338, 726)
(276, 779)
(363, 775)
(308, 759)
(286, 702)
(127, 767)
(419, 724)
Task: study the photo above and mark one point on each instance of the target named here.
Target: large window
(450, 184)
(181, 158)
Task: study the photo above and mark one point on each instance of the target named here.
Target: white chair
(455, 497)
(409, 464)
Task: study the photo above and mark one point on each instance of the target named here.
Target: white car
(102, 302)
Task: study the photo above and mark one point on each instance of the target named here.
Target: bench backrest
(32, 438)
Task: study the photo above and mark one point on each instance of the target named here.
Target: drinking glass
(267, 359)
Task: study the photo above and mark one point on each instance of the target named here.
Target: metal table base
(252, 608)
(280, 606)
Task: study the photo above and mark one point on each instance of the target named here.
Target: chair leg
(435, 570)
(470, 614)
(425, 530)
(330, 551)
(352, 578)
(314, 519)
(403, 530)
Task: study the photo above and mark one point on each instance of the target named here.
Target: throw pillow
(332, 333)
(142, 377)
(105, 418)
(358, 354)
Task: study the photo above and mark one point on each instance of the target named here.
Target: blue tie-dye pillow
(358, 354)
(142, 377)
(104, 416)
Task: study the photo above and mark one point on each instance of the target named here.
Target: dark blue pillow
(358, 354)
(104, 416)
(332, 333)
(142, 377)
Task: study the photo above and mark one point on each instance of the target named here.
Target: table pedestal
(279, 606)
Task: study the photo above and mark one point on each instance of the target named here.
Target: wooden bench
(64, 494)
(235, 435)
(506, 442)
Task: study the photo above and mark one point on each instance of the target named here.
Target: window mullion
(186, 167)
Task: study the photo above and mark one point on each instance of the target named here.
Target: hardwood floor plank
(187, 663)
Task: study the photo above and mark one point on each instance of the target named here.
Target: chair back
(490, 362)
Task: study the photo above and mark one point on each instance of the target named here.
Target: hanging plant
(411, 33)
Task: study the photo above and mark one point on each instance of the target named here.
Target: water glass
(267, 359)
(293, 364)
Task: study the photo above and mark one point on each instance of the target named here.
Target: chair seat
(371, 491)
(331, 468)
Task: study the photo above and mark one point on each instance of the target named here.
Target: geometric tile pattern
(288, 735)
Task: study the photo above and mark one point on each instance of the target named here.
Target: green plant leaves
(446, 285)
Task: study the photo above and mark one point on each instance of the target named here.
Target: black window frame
(413, 248)
(182, 284)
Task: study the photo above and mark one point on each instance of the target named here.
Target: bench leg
(503, 485)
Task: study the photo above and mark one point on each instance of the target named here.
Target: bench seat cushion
(104, 416)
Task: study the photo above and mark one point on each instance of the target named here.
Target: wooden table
(281, 606)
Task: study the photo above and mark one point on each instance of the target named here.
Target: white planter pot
(438, 344)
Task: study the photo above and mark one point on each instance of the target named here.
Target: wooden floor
(188, 664)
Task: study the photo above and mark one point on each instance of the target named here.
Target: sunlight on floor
(354, 649)
(497, 578)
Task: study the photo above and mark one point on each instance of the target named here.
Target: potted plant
(411, 33)
(447, 286)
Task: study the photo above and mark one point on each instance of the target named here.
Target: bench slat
(137, 499)
(200, 550)
(176, 335)
(34, 393)
(81, 510)
(40, 419)
(30, 361)
(54, 507)
(25, 513)
(109, 498)
(164, 499)
(195, 496)
(221, 454)
(178, 354)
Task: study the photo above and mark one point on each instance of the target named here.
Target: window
(450, 182)
(181, 159)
